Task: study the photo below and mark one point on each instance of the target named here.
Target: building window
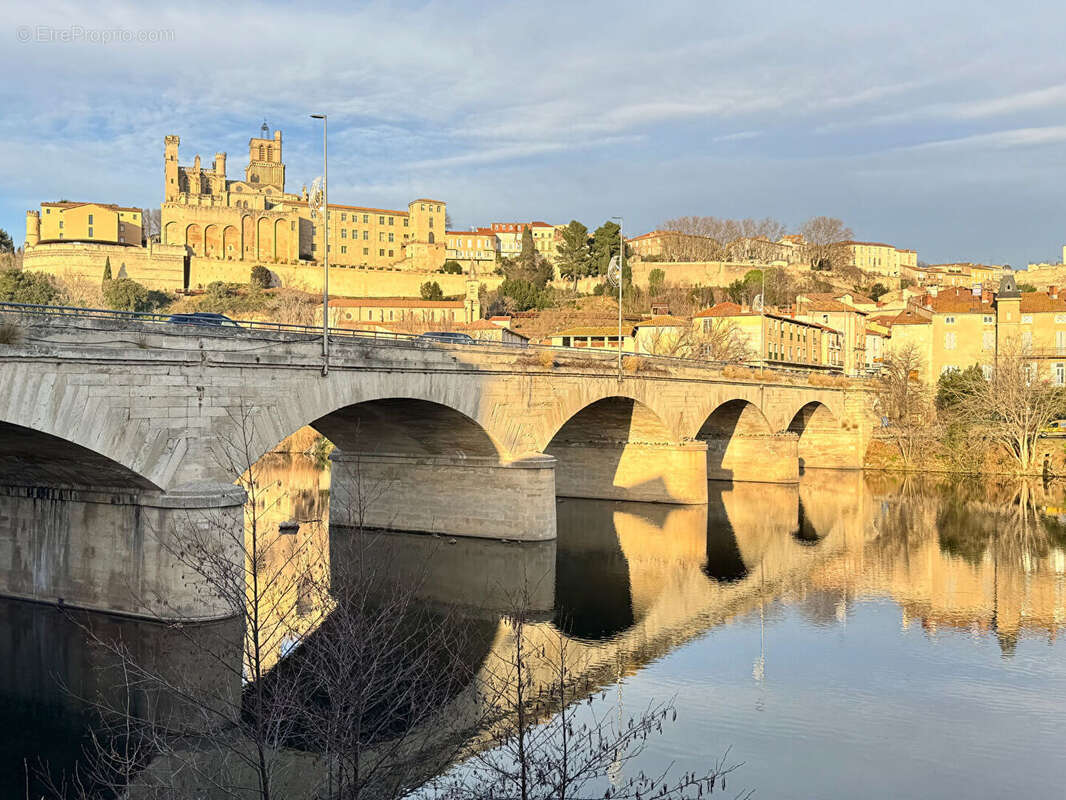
(944, 370)
(366, 235)
(366, 218)
(391, 236)
(989, 319)
(949, 320)
(90, 219)
(1060, 374)
(60, 224)
(392, 221)
(366, 251)
(1060, 341)
(1027, 319)
(344, 233)
(988, 340)
(390, 254)
(405, 222)
(381, 252)
(344, 249)
(90, 232)
(949, 340)
(1027, 338)
(986, 371)
(381, 220)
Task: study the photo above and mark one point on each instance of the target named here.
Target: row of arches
(263, 239)
(419, 427)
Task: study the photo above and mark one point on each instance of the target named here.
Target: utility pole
(621, 280)
(325, 247)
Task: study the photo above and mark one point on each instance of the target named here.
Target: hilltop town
(742, 291)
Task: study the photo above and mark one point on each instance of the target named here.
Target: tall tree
(825, 237)
(605, 245)
(905, 403)
(573, 257)
(6, 245)
(1013, 405)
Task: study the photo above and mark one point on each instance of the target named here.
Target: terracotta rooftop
(604, 330)
(664, 321)
(1037, 302)
(908, 317)
(112, 206)
(812, 303)
(723, 309)
(958, 300)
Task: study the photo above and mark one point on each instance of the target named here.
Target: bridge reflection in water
(625, 583)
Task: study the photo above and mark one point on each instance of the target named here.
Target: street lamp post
(621, 280)
(325, 247)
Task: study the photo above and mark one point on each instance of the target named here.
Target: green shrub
(33, 288)
(127, 295)
(260, 277)
(430, 290)
(452, 267)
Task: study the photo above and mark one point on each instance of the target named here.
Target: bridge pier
(453, 495)
(755, 457)
(831, 449)
(651, 473)
(125, 551)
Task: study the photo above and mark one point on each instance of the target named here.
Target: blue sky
(931, 124)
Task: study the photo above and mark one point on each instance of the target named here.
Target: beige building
(509, 238)
(957, 328)
(848, 320)
(352, 312)
(879, 258)
(255, 219)
(98, 223)
(474, 250)
(775, 339)
(595, 337)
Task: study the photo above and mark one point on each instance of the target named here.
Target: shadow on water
(58, 671)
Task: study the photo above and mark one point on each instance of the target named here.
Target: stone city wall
(158, 266)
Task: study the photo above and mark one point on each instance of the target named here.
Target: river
(857, 635)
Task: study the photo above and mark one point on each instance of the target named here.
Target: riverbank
(966, 456)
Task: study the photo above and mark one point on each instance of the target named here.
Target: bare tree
(151, 224)
(707, 339)
(716, 239)
(1012, 405)
(825, 237)
(543, 743)
(342, 671)
(906, 403)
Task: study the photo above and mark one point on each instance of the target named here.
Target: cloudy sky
(932, 124)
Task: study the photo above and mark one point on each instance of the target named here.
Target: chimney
(1053, 292)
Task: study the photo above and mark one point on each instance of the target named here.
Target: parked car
(1055, 429)
(204, 318)
(450, 337)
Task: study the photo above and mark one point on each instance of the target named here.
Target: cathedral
(254, 219)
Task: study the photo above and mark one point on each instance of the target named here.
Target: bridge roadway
(121, 438)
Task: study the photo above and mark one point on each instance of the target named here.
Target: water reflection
(636, 588)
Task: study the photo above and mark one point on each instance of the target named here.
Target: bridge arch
(617, 447)
(820, 443)
(33, 457)
(742, 445)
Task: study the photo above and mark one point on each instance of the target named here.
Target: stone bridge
(115, 435)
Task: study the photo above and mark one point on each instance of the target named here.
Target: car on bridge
(449, 337)
(204, 318)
